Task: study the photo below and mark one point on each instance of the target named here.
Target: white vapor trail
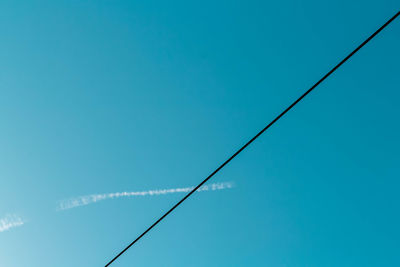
(10, 221)
(89, 199)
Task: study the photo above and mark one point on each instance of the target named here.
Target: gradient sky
(109, 96)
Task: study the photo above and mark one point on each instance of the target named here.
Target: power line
(257, 135)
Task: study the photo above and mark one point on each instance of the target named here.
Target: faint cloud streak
(89, 199)
(10, 221)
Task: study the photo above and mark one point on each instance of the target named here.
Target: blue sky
(99, 97)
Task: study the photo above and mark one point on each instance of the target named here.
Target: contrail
(10, 221)
(89, 199)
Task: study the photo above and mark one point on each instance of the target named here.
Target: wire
(257, 135)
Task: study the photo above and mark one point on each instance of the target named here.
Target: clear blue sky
(110, 96)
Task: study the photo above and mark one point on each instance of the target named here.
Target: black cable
(257, 135)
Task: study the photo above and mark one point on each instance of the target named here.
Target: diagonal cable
(257, 135)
